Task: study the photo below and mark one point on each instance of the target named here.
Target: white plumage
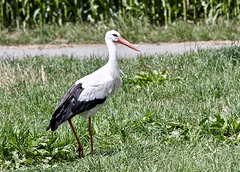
(88, 94)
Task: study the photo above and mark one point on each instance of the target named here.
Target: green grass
(174, 113)
(134, 30)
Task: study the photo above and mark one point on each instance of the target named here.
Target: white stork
(88, 94)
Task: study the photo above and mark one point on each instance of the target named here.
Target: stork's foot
(80, 152)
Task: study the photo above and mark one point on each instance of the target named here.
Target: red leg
(80, 148)
(90, 133)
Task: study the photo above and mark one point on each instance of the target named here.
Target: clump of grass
(189, 122)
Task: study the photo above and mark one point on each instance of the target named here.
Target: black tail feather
(63, 111)
(60, 115)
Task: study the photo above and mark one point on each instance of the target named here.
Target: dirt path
(89, 50)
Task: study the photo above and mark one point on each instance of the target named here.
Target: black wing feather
(70, 106)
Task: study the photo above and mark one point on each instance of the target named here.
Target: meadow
(173, 113)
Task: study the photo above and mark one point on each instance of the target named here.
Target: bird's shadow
(106, 152)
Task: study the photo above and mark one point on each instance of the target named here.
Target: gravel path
(89, 50)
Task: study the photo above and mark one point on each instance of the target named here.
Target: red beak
(125, 42)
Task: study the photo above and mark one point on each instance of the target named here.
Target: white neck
(112, 52)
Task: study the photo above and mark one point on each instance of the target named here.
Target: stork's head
(114, 36)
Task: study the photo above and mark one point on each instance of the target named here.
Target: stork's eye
(115, 35)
